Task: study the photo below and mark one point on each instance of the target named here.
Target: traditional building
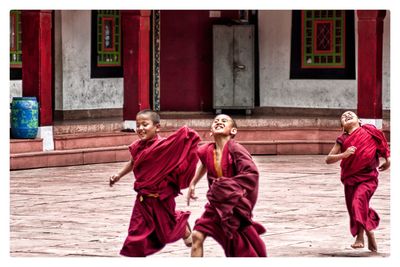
(91, 64)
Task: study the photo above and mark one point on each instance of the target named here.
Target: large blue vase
(24, 117)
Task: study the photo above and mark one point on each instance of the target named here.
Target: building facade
(86, 64)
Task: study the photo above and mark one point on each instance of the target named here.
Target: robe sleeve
(246, 170)
(174, 157)
(185, 171)
(133, 147)
(340, 140)
(383, 147)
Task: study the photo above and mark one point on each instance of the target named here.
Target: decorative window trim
(100, 68)
(304, 65)
(104, 24)
(16, 49)
(316, 24)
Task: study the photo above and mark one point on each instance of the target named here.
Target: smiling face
(146, 128)
(349, 120)
(223, 125)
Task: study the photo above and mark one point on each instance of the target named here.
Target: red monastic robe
(359, 174)
(232, 196)
(162, 166)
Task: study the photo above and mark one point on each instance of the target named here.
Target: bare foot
(372, 246)
(359, 243)
(187, 238)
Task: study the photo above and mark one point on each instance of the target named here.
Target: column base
(376, 122)
(46, 133)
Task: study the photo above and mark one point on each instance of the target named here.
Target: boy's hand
(191, 194)
(385, 165)
(349, 151)
(114, 178)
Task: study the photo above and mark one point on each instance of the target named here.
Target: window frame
(345, 70)
(105, 70)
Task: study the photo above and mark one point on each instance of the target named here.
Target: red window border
(103, 20)
(316, 22)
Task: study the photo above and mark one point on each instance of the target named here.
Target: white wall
(74, 90)
(277, 90)
(15, 89)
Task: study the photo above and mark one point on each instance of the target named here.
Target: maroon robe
(359, 174)
(162, 166)
(228, 215)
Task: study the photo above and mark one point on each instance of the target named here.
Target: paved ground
(71, 211)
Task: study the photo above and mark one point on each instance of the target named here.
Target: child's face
(349, 119)
(145, 127)
(223, 125)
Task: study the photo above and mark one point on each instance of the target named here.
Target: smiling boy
(359, 149)
(233, 189)
(162, 167)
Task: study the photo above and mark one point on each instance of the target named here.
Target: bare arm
(125, 170)
(200, 171)
(385, 165)
(335, 155)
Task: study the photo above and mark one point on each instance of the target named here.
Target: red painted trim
(112, 48)
(370, 51)
(316, 22)
(37, 58)
(144, 63)
(136, 62)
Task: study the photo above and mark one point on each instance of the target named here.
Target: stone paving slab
(71, 211)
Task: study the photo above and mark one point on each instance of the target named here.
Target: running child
(161, 167)
(359, 149)
(233, 189)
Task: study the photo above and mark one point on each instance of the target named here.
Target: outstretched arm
(126, 169)
(200, 171)
(335, 155)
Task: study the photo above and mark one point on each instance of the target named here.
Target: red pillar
(136, 51)
(36, 58)
(369, 80)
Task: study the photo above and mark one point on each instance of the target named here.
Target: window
(322, 45)
(15, 45)
(106, 60)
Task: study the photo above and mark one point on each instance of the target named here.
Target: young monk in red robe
(233, 188)
(161, 166)
(359, 149)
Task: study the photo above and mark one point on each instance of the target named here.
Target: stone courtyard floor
(72, 212)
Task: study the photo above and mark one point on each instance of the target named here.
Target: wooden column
(36, 58)
(369, 76)
(136, 62)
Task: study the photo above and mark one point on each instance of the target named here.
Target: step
(93, 140)
(57, 158)
(26, 145)
(70, 157)
(288, 147)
